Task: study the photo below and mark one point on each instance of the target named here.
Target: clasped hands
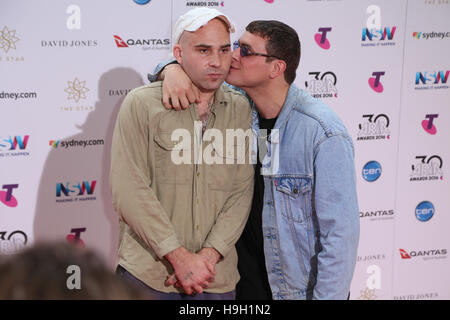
(193, 271)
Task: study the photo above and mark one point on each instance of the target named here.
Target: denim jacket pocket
(294, 194)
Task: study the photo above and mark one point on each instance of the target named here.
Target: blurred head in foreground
(58, 271)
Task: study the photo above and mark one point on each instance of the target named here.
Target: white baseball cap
(196, 18)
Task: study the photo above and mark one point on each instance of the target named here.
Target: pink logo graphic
(321, 38)
(269, 1)
(375, 83)
(428, 126)
(75, 237)
(6, 197)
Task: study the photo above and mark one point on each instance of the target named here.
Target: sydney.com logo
(76, 143)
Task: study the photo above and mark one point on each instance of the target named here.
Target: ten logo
(424, 211)
(371, 171)
(6, 197)
(321, 38)
(427, 125)
(375, 82)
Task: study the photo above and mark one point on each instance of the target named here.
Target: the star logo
(76, 90)
(368, 294)
(8, 39)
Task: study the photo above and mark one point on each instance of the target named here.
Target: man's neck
(269, 99)
(204, 106)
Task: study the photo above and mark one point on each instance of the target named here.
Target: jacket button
(295, 190)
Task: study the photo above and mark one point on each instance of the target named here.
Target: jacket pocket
(166, 170)
(294, 196)
(223, 169)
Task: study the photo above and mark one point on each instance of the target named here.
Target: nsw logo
(70, 192)
(371, 171)
(424, 211)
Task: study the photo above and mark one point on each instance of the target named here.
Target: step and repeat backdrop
(383, 66)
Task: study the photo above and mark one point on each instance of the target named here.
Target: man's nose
(215, 60)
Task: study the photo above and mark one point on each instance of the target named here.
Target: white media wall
(382, 65)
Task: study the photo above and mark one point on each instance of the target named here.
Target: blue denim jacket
(310, 214)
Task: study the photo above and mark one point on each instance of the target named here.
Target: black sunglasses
(245, 51)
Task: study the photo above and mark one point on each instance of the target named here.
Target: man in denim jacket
(304, 185)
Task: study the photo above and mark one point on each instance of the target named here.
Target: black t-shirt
(254, 284)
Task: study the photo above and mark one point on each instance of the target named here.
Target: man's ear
(177, 53)
(278, 69)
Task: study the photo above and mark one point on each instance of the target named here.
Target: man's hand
(178, 89)
(193, 271)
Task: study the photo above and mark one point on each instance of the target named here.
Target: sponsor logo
(419, 296)
(371, 171)
(8, 41)
(375, 82)
(73, 192)
(370, 258)
(428, 125)
(437, 2)
(141, 1)
(321, 38)
(145, 44)
(69, 43)
(18, 95)
(75, 236)
(377, 215)
(374, 37)
(6, 195)
(118, 92)
(76, 90)
(14, 146)
(424, 254)
(431, 35)
(12, 242)
(428, 169)
(210, 3)
(424, 211)
(374, 128)
(75, 143)
(431, 80)
(322, 85)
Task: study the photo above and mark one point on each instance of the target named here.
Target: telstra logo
(428, 125)
(6, 197)
(321, 38)
(375, 82)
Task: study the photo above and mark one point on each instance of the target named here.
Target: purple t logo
(375, 83)
(6, 197)
(427, 125)
(75, 238)
(321, 38)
